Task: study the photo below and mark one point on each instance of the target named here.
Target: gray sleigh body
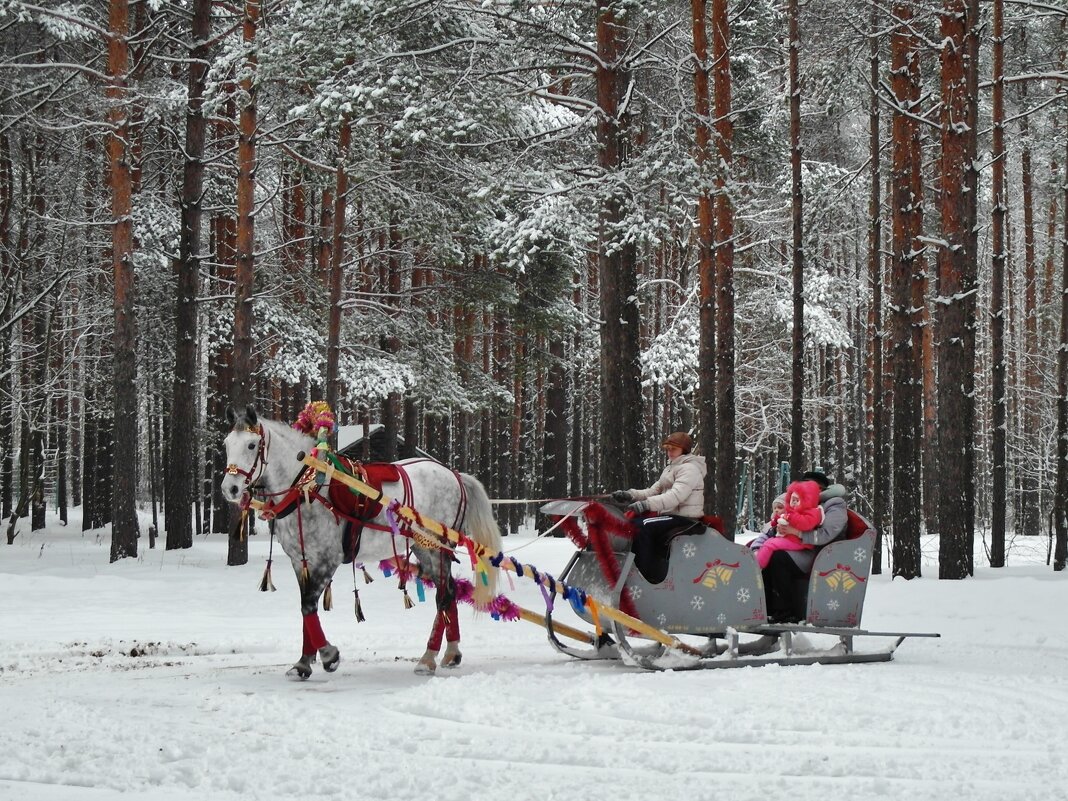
(713, 590)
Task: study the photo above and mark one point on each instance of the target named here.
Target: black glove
(621, 495)
(638, 507)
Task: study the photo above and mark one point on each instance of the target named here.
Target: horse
(264, 460)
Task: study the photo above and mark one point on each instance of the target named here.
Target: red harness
(346, 503)
(259, 464)
(340, 499)
(353, 505)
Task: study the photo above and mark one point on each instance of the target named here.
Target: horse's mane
(284, 431)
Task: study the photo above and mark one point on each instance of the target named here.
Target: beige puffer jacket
(680, 490)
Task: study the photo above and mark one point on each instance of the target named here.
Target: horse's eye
(252, 446)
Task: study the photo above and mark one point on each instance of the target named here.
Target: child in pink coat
(801, 510)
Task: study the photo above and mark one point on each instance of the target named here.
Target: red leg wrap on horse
(452, 627)
(314, 639)
(434, 643)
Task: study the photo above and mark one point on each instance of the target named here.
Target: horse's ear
(250, 415)
(231, 416)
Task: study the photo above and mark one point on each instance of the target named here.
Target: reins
(512, 501)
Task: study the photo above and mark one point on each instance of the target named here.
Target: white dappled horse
(264, 460)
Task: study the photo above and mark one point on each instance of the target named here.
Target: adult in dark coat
(784, 587)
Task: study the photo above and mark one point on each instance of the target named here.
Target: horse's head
(246, 454)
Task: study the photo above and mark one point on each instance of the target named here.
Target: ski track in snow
(163, 677)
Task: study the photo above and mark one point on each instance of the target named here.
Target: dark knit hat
(817, 476)
(680, 439)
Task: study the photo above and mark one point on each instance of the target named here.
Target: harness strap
(252, 474)
(461, 507)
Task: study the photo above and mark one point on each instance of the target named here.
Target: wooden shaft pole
(558, 628)
(455, 537)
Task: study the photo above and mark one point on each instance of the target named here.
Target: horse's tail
(481, 526)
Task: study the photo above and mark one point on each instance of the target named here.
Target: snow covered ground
(163, 677)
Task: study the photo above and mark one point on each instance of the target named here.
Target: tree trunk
(621, 397)
(1029, 446)
(503, 370)
(955, 310)
(337, 252)
(124, 531)
(7, 289)
(1060, 552)
(556, 430)
(797, 337)
(929, 452)
(220, 370)
(241, 391)
(411, 429)
(152, 413)
(907, 225)
(513, 513)
(578, 394)
(38, 368)
(726, 466)
(997, 298)
(180, 475)
(706, 267)
(63, 425)
(971, 244)
(391, 406)
(877, 337)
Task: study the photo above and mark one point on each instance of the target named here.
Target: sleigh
(709, 589)
(702, 586)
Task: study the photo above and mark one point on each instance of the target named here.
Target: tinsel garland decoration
(500, 608)
(601, 525)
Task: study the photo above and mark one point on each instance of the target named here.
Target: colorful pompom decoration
(314, 416)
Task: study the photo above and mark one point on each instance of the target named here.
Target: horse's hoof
(425, 666)
(299, 672)
(330, 657)
(451, 659)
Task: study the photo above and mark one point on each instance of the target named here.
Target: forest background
(534, 237)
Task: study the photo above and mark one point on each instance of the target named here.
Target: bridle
(253, 474)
